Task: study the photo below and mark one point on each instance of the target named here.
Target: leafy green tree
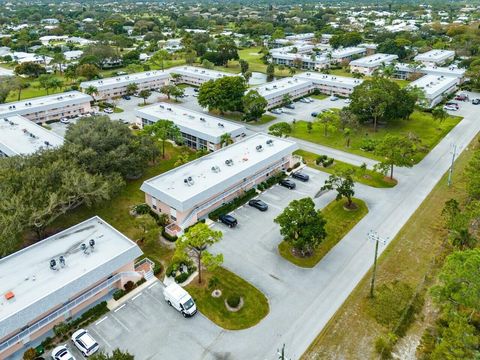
(59, 60)
(302, 226)
(226, 139)
(171, 90)
(207, 64)
(196, 240)
(286, 100)
(30, 69)
(457, 223)
(145, 94)
(132, 88)
(243, 66)
(254, 105)
(88, 71)
(159, 58)
(224, 94)
(270, 72)
(247, 75)
(472, 173)
(92, 91)
(439, 114)
(45, 81)
(105, 146)
(280, 129)
(117, 354)
(396, 151)
(327, 119)
(163, 130)
(344, 186)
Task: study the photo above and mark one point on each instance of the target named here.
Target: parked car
(314, 114)
(450, 108)
(309, 99)
(64, 121)
(289, 184)
(476, 101)
(304, 100)
(290, 106)
(126, 97)
(275, 111)
(62, 353)
(347, 101)
(333, 98)
(196, 89)
(461, 97)
(85, 342)
(228, 220)
(258, 204)
(300, 176)
(178, 298)
(454, 104)
(108, 111)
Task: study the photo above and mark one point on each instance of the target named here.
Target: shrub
(320, 159)
(30, 354)
(171, 269)
(328, 162)
(118, 294)
(368, 144)
(182, 277)
(142, 209)
(384, 345)
(289, 169)
(129, 286)
(213, 282)
(168, 236)
(296, 165)
(232, 205)
(157, 269)
(233, 300)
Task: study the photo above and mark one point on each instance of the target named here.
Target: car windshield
(188, 304)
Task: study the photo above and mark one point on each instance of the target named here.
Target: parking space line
(101, 320)
(136, 296)
(119, 308)
(153, 285)
(97, 334)
(155, 298)
(121, 324)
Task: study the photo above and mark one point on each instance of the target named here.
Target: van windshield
(188, 304)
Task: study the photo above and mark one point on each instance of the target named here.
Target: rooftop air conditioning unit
(220, 125)
(53, 264)
(270, 142)
(229, 162)
(202, 119)
(259, 148)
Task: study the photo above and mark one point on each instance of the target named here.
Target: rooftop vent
(202, 119)
(46, 143)
(259, 148)
(53, 264)
(215, 169)
(61, 259)
(229, 162)
(84, 248)
(270, 142)
(220, 125)
(91, 242)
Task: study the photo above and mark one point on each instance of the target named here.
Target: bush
(157, 269)
(168, 236)
(233, 301)
(30, 354)
(213, 282)
(181, 278)
(368, 144)
(384, 345)
(324, 160)
(296, 165)
(129, 286)
(232, 205)
(118, 294)
(142, 209)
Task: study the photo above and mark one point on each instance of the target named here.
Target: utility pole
(373, 236)
(453, 151)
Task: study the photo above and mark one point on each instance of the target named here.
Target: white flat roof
(434, 85)
(124, 80)
(432, 70)
(303, 57)
(435, 55)
(281, 87)
(301, 48)
(204, 74)
(42, 103)
(348, 51)
(20, 136)
(37, 288)
(171, 188)
(191, 122)
(330, 80)
(374, 60)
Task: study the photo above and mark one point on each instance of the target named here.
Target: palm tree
(92, 91)
(226, 139)
(59, 59)
(439, 114)
(292, 70)
(132, 88)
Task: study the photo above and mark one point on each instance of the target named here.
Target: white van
(181, 300)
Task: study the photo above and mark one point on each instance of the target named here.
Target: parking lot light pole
(373, 236)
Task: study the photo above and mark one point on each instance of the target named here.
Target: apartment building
(20, 136)
(275, 91)
(113, 87)
(368, 64)
(190, 192)
(199, 130)
(346, 54)
(436, 88)
(331, 84)
(50, 107)
(196, 76)
(436, 57)
(303, 61)
(56, 278)
(407, 71)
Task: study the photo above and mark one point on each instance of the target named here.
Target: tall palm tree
(226, 139)
(59, 59)
(92, 91)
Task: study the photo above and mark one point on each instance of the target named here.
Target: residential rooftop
(374, 60)
(435, 55)
(331, 80)
(43, 103)
(192, 122)
(191, 184)
(205, 74)
(20, 136)
(37, 288)
(280, 87)
(299, 48)
(124, 80)
(432, 69)
(346, 52)
(434, 85)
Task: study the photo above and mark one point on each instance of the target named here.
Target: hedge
(168, 236)
(275, 179)
(232, 205)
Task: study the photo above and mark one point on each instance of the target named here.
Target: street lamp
(373, 236)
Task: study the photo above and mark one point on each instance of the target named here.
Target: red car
(461, 97)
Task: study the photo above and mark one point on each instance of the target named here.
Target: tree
(190, 56)
(92, 91)
(145, 94)
(226, 139)
(225, 50)
(243, 66)
(344, 186)
(327, 119)
(196, 240)
(45, 81)
(117, 354)
(5, 88)
(207, 64)
(224, 94)
(286, 100)
(159, 58)
(171, 90)
(247, 75)
(302, 226)
(59, 59)
(254, 105)
(88, 71)
(30, 69)
(396, 151)
(439, 114)
(163, 130)
(132, 88)
(147, 226)
(472, 173)
(280, 129)
(183, 158)
(270, 72)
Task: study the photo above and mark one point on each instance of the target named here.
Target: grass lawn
(413, 255)
(238, 117)
(116, 210)
(34, 90)
(319, 96)
(422, 124)
(339, 223)
(368, 177)
(255, 306)
(117, 110)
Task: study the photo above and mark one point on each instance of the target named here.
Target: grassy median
(339, 223)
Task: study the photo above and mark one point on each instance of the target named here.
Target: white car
(309, 99)
(85, 342)
(450, 108)
(347, 101)
(304, 100)
(64, 121)
(108, 111)
(333, 98)
(61, 353)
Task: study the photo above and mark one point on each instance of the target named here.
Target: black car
(288, 184)
(126, 97)
(301, 176)
(228, 220)
(476, 101)
(258, 204)
(314, 114)
(290, 106)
